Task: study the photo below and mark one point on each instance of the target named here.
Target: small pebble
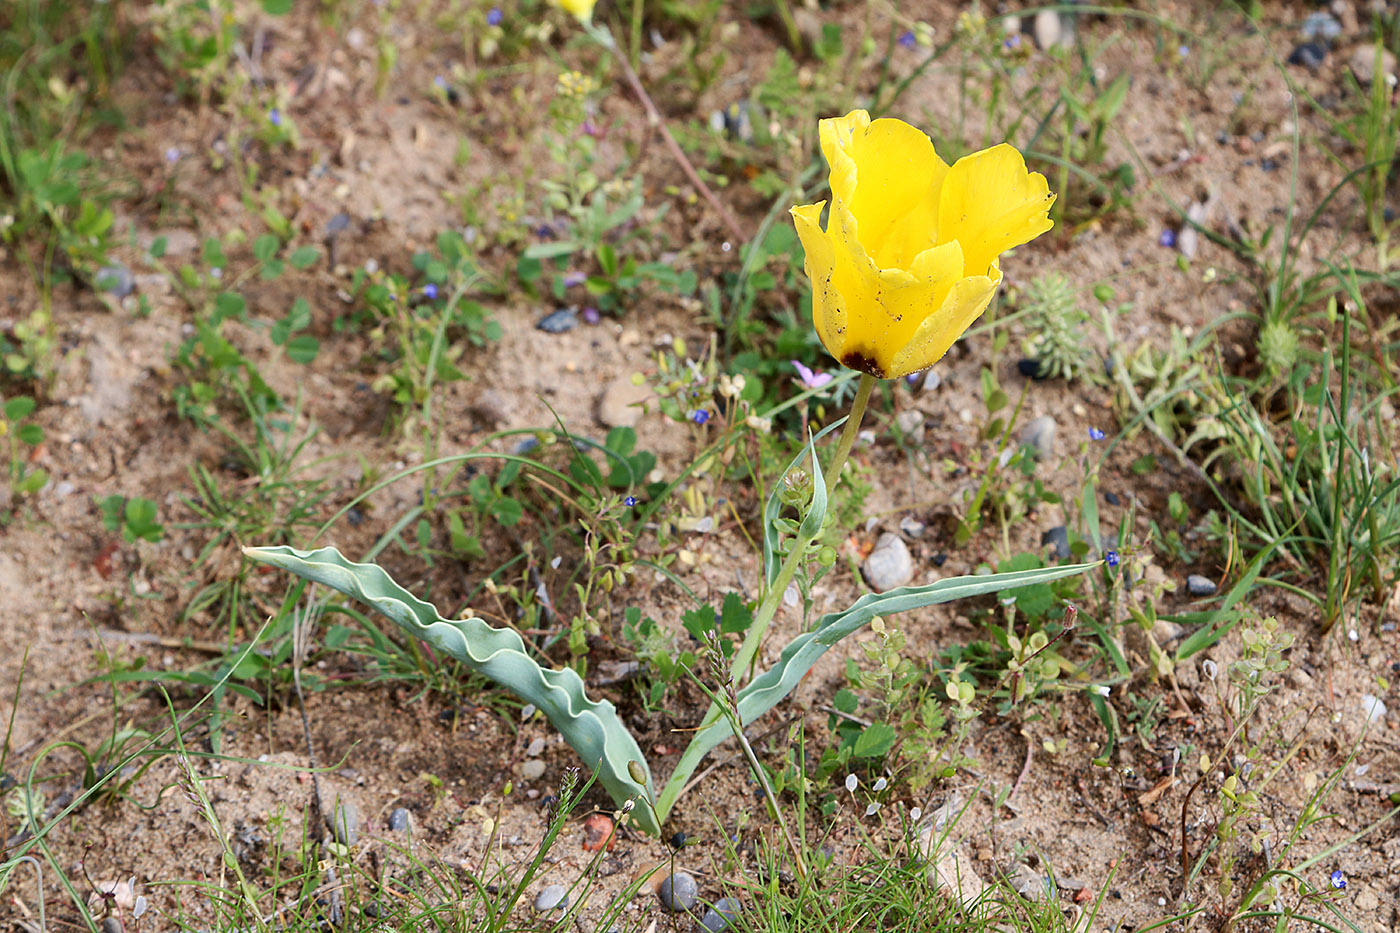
(1111, 498)
(1373, 707)
(912, 526)
(678, 892)
(1032, 368)
(532, 770)
(554, 896)
(1039, 435)
(1198, 585)
(721, 916)
(400, 819)
(337, 224)
(1058, 539)
(1321, 25)
(889, 564)
(111, 925)
(536, 747)
(559, 322)
(345, 822)
(116, 280)
(1309, 55)
(911, 425)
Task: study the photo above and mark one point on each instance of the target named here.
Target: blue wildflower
(495, 16)
(907, 40)
(700, 416)
(630, 501)
(274, 116)
(1011, 43)
(1183, 50)
(1095, 434)
(1339, 880)
(1167, 239)
(1111, 558)
(430, 291)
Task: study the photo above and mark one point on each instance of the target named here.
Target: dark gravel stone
(559, 322)
(1058, 538)
(1310, 55)
(1031, 368)
(1111, 498)
(400, 819)
(1198, 585)
(678, 892)
(337, 224)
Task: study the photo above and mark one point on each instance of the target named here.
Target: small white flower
(852, 782)
(1208, 668)
(1099, 689)
(915, 813)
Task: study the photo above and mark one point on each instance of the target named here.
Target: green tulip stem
(745, 657)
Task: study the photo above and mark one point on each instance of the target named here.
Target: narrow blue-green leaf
(774, 508)
(592, 728)
(770, 687)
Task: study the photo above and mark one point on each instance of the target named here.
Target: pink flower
(810, 379)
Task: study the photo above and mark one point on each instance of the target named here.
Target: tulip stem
(850, 431)
(744, 658)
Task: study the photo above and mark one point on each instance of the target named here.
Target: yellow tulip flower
(909, 257)
(583, 9)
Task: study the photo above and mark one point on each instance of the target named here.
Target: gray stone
(111, 925)
(344, 822)
(911, 425)
(1057, 538)
(1030, 884)
(721, 916)
(1188, 240)
(678, 892)
(535, 748)
(1039, 436)
(556, 896)
(1363, 63)
(619, 405)
(532, 770)
(559, 322)
(889, 564)
(337, 223)
(1373, 708)
(115, 279)
(400, 820)
(1050, 29)
(1198, 585)
(1321, 25)
(912, 527)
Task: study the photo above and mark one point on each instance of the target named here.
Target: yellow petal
(963, 304)
(828, 313)
(865, 315)
(990, 203)
(582, 9)
(888, 176)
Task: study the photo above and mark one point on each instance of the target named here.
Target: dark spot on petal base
(862, 364)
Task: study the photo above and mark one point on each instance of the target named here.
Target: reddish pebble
(598, 832)
(1083, 896)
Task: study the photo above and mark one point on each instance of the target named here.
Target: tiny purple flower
(1095, 434)
(440, 82)
(430, 291)
(1339, 880)
(495, 16)
(1110, 558)
(572, 279)
(1167, 239)
(274, 116)
(591, 316)
(1011, 43)
(172, 155)
(700, 416)
(590, 128)
(630, 501)
(810, 379)
(1183, 50)
(544, 232)
(907, 39)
